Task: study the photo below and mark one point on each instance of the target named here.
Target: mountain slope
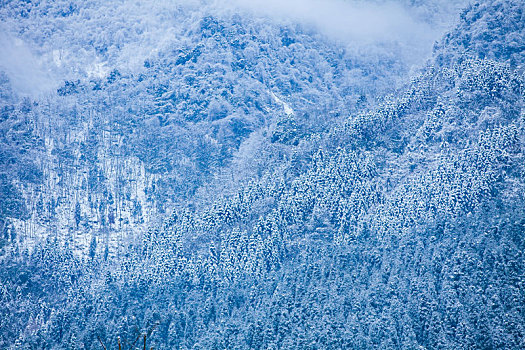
(145, 112)
(407, 233)
(400, 227)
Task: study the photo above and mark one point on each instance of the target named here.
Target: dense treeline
(402, 227)
(128, 134)
(19, 145)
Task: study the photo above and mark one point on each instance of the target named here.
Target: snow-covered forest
(297, 174)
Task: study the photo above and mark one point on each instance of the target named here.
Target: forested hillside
(136, 107)
(258, 185)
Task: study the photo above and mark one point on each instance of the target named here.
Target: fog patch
(350, 22)
(25, 71)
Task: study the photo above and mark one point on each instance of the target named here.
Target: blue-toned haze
(296, 174)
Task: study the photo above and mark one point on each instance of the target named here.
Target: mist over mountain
(138, 106)
(262, 175)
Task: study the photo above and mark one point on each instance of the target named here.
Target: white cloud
(355, 23)
(347, 20)
(24, 70)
